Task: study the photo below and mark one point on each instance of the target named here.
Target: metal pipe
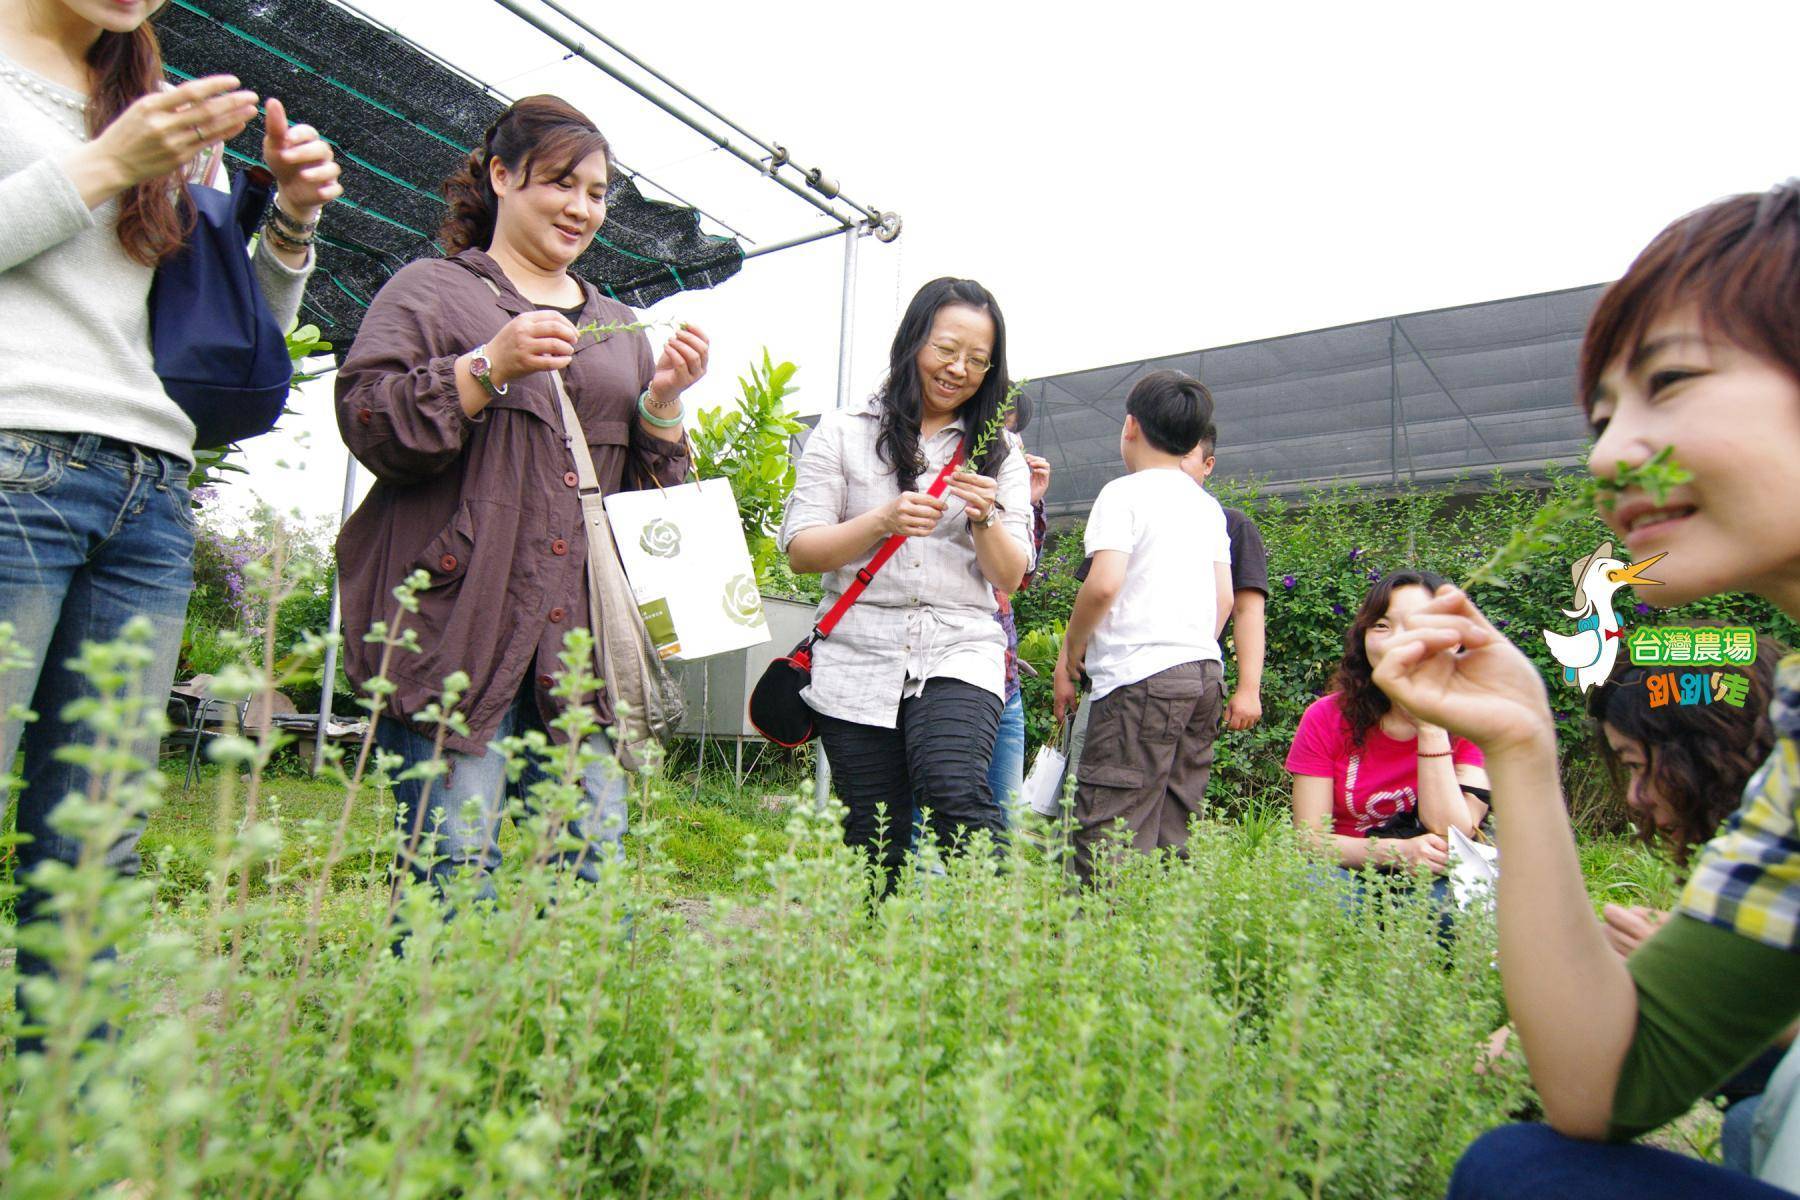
(331, 654)
(846, 341)
(718, 139)
(778, 154)
(1448, 394)
(643, 280)
(505, 99)
(651, 71)
(802, 240)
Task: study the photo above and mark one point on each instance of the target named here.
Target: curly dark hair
(1363, 703)
(1698, 757)
(542, 132)
(902, 393)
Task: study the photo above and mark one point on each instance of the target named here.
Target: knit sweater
(74, 307)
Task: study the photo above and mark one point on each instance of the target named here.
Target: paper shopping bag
(1474, 870)
(684, 551)
(1043, 787)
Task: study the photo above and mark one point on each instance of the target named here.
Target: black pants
(936, 759)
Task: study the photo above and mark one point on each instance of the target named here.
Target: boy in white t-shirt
(1146, 629)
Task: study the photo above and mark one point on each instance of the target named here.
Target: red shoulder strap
(866, 576)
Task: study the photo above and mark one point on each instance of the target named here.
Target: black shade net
(401, 122)
(1424, 397)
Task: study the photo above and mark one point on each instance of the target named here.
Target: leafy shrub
(748, 446)
(1213, 1025)
(228, 609)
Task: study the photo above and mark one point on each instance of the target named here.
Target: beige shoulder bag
(630, 669)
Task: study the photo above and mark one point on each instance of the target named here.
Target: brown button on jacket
(480, 504)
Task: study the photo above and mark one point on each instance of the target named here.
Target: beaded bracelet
(659, 422)
(282, 241)
(293, 228)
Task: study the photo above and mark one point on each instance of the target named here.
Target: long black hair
(901, 395)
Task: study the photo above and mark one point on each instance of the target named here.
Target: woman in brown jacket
(447, 397)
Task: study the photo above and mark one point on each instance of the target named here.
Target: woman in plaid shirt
(908, 688)
(1697, 348)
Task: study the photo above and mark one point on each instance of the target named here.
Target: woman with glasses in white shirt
(909, 686)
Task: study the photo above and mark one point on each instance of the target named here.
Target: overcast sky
(1134, 180)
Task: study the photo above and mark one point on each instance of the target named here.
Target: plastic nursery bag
(684, 552)
(1043, 787)
(1474, 870)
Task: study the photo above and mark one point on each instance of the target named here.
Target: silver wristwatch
(480, 366)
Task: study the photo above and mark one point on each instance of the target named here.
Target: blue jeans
(93, 532)
(1534, 1162)
(1353, 887)
(1736, 1133)
(1006, 773)
(464, 807)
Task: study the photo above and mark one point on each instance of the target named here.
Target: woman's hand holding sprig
(530, 343)
(979, 493)
(911, 514)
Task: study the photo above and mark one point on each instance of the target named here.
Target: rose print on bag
(661, 538)
(741, 601)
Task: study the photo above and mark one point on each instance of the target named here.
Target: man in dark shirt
(1249, 594)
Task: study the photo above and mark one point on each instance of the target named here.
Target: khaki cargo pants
(1146, 758)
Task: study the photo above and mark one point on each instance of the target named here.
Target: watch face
(479, 366)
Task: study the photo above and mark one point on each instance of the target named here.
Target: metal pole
(692, 122)
(802, 240)
(1393, 412)
(846, 336)
(624, 289)
(646, 68)
(778, 155)
(331, 654)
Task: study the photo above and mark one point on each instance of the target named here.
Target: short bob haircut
(1736, 263)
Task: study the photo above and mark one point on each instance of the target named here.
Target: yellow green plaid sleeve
(1747, 879)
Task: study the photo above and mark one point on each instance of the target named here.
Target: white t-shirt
(1165, 615)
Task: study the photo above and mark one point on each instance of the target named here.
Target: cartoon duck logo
(1587, 655)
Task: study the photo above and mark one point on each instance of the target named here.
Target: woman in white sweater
(95, 525)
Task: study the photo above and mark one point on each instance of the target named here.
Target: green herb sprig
(992, 429)
(1658, 476)
(599, 329)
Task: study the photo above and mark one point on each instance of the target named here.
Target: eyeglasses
(977, 363)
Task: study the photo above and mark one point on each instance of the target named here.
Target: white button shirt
(930, 612)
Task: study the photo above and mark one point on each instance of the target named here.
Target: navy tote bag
(215, 343)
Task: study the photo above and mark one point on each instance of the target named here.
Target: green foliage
(1574, 505)
(1218, 1024)
(1215, 1025)
(748, 446)
(985, 437)
(1040, 611)
(226, 617)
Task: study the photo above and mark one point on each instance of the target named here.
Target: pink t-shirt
(1371, 783)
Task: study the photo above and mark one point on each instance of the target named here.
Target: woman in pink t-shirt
(1381, 787)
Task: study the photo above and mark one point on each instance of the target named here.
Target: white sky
(1134, 180)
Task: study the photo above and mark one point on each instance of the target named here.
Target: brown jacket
(487, 505)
